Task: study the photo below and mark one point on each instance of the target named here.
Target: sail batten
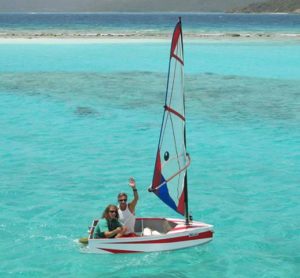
(169, 179)
(178, 59)
(174, 112)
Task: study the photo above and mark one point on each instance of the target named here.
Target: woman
(109, 226)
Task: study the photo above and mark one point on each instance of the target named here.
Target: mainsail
(170, 173)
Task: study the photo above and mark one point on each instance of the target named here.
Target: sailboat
(170, 180)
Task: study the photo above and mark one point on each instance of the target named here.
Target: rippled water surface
(78, 120)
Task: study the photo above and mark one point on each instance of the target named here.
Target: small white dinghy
(170, 182)
(154, 234)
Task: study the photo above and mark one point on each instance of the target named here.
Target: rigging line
(179, 178)
(177, 49)
(175, 143)
(172, 89)
(163, 128)
(177, 58)
(170, 93)
(174, 72)
(166, 96)
(167, 90)
(173, 82)
(163, 164)
(173, 176)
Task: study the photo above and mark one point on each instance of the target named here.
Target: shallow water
(78, 120)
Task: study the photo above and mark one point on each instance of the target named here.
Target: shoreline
(65, 37)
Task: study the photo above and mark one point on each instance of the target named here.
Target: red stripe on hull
(117, 251)
(207, 234)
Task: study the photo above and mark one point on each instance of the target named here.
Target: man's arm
(133, 203)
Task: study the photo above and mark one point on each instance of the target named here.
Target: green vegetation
(272, 6)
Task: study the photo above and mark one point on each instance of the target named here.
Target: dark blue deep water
(155, 21)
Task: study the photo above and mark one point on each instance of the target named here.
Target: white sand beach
(41, 37)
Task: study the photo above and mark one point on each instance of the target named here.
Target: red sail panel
(157, 171)
(176, 39)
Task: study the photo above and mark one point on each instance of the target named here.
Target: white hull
(167, 234)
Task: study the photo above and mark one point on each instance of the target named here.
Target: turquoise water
(78, 119)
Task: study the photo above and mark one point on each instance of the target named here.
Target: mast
(187, 216)
(186, 204)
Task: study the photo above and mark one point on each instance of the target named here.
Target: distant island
(271, 6)
(77, 6)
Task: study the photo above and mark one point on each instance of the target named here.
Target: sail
(169, 179)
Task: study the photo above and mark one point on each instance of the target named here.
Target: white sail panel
(172, 160)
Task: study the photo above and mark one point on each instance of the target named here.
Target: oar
(84, 240)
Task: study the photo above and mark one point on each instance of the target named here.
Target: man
(127, 210)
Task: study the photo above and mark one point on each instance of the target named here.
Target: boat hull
(177, 236)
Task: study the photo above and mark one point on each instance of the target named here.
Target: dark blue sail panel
(163, 194)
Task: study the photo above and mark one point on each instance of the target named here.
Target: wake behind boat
(170, 181)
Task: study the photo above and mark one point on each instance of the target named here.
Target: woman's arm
(113, 233)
